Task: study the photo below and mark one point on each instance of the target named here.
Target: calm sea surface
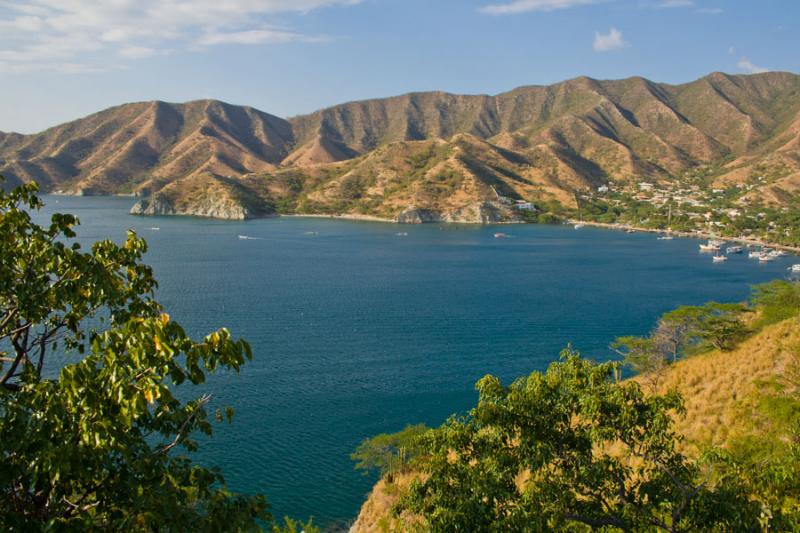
(357, 330)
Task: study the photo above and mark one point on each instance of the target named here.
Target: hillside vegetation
(738, 419)
(451, 157)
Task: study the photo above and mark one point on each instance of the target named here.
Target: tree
(777, 300)
(645, 355)
(389, 453)
(89, 424)
(713, 325)
(571, 449)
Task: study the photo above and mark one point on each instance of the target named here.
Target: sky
(64, 59)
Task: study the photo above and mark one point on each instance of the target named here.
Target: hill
(438, 155)
(723, 393)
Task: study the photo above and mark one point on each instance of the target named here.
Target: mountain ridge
(539, 143)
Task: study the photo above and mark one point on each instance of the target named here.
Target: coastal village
(685, 206)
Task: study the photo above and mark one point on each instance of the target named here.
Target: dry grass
(715, 386)
(375, 515)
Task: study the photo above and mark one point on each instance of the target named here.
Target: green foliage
(390, 453)
(95, 448)
(765, 457)
(713, 325)
(571, 449)
(293, 526)
(644, 355)
(776, 301)
(352, 188)
(684, 331)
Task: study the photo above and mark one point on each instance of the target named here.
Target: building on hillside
(525, 206)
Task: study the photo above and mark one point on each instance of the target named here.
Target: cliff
(205, 196)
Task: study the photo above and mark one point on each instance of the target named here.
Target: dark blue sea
(358, 330)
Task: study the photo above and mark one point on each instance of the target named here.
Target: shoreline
(690, 234)
(372, 218)
(362, 218)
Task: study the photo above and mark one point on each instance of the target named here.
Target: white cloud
(524, 6)
(261, 36)
(605, 42)
(747, 66)
(42, 33)
(675, 3)
(137, 52)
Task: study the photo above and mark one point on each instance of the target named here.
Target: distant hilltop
(424, 156)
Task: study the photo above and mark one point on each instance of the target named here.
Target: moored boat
(734, 249)
(719, 258)
(711, 246)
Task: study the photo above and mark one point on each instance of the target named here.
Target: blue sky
(62, 59)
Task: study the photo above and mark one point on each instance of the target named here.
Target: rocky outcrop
(205, 196)
(415, 215)
(475, 213)
(222, 208)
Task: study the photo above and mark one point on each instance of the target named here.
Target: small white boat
(719, 258)
(666, 238)
(155, 229)
(248, 238)
(402, 234)
(500, 236)
(780, 253)
(734, 249)
(630, 230)
(711, 246)
(579, 225)
(766, 258)
(795, 269)
(754, 255)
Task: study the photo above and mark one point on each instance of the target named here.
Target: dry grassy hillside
(720, 390)
(538, 143)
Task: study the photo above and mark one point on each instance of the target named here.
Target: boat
(780, 253)
(711, 246)
(248, 238)
(795, 269)
(155, 229)
(719, 258)
(734, 249)
(765, 258)
(402, 234)
(311, 233)
(500, 236)
(630, 230)
(754, 255)
(580, 223)
(666, 237)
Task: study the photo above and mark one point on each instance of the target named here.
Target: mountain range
(425, 156)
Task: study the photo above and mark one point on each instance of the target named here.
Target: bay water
(361, 328)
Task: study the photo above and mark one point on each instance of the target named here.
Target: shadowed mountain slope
(533, 143)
